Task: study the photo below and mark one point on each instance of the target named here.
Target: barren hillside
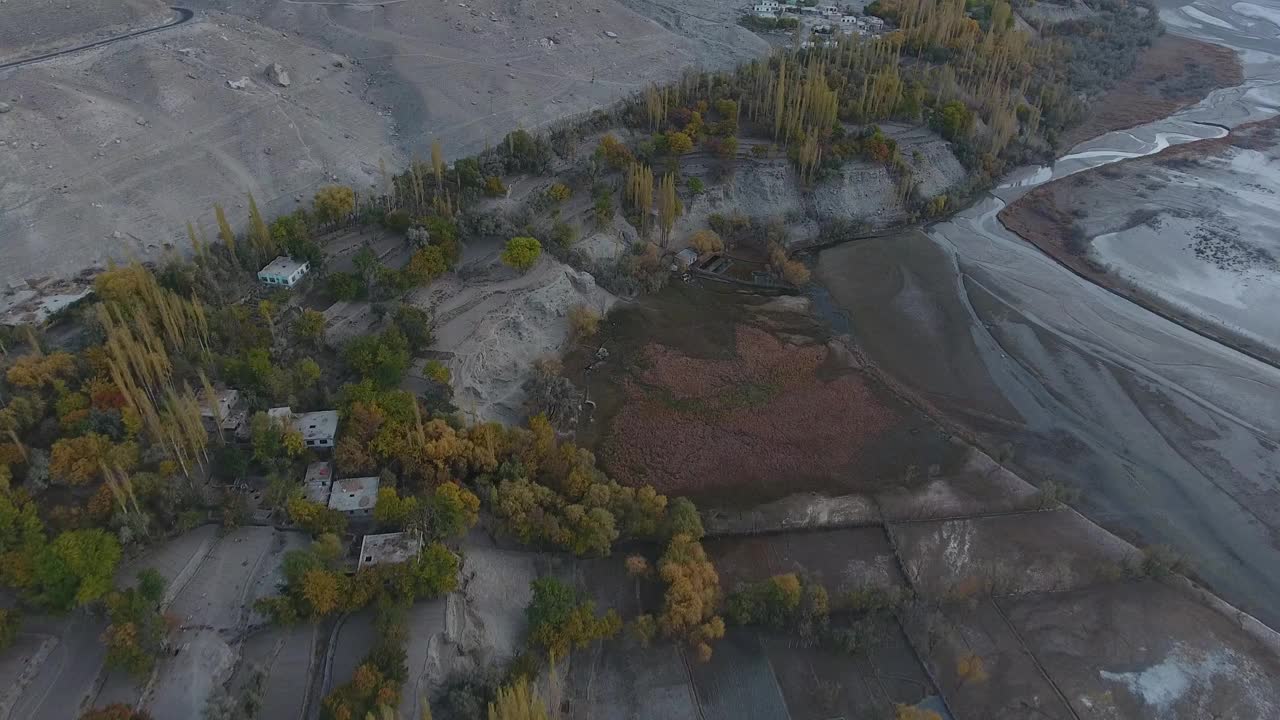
(117, 147)
(28, 27)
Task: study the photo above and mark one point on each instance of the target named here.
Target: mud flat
(1173, 73)
(1196, 243)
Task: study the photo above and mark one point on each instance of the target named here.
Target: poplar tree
(225, 233)
(669, 207)
(259, 235)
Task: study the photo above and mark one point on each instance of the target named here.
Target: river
(1170, 437)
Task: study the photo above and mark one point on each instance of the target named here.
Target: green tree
(953, 120)
(306, 373)
(382, 358)
(21, 538)
(522, 253)
(310, 327)
(678, 143)
(559, 620)
(136, 634)
(392, 511)
(426, 265)
(75, 569)
(275, 444)
(10, 621)
(334, 203)
(452, 510)
(435, 571)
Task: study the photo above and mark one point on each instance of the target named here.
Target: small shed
(354, 497)
(284, 271)
(686, 259)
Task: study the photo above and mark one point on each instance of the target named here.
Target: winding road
(184, 15)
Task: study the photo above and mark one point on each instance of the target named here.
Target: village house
(389, 548)
(354, 497)
(318, 428)
(283, 272)
(317, 482)
(222, 411)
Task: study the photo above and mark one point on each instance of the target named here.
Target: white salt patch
(1182, 672)
(1258, 12)
(1206, 17)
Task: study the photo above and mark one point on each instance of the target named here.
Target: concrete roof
(354, 494)
(395, 547)
(280, 413)
(282, 266)
(316, 425)
(317, 481)
(225, 399)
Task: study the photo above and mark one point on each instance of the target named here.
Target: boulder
(5, 107)
(278, 75)
(241, 84)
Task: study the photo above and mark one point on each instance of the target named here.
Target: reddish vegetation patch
(1173, 73)
(762, 421)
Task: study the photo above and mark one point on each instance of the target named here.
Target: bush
(522, 253)
(706, 241)
(678, 143)
(583, 322)
(563, 234)
(558, 192)
(493, 186)
(436, 370)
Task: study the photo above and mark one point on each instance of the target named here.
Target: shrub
(563, 234)
(558, 192)
(436, 370)
(522, 253)
(706, 241)
(678, 143)
(493, 186)
(583, 322)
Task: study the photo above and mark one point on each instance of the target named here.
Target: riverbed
(1172, 438)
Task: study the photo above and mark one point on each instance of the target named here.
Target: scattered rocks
(610, 34)
(5, 107)
(278, 75)
(241, 84)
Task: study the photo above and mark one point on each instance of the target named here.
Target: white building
(354, 497)
(387, 548)
(318, 428)
(767, 6)
(283, 272)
